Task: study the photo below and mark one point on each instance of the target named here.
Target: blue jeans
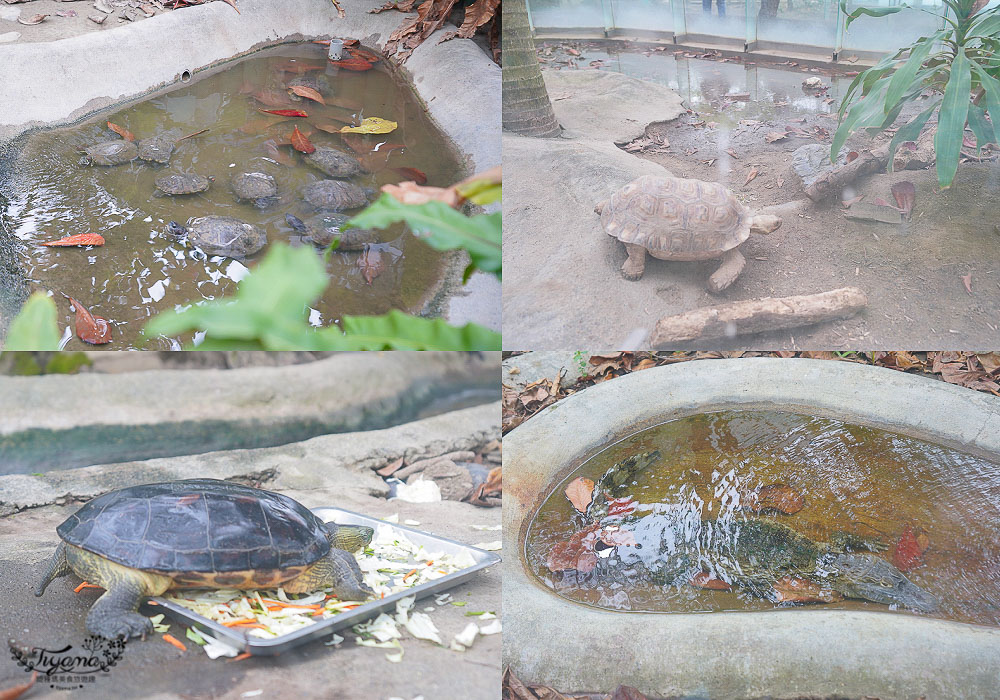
(706, 6)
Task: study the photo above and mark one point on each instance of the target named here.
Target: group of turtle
(232, 237)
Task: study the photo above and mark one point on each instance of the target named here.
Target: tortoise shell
(200, 527)
(677, 218)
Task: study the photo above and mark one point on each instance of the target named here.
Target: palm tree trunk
(526, 106)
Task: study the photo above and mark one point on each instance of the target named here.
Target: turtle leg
(636, 263)
(58, 566)
(732, 265)
(850, 542)
(114, 614)
(339, 570)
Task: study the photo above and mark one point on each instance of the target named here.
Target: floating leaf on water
(121, 131)
(329, 128)
(308, 93)
(621, 506)
(580, 493)
(417, 176)
(89, 328)
(34, 19)
(285, 112)
(81, 239)
(353, 64)
(905, 194)
(576, 553)
(300, 142)
(703, 580)
(907, 553)
(371, 264)
(779, 497)
(371, 125)
(412, 193)
(364, 54)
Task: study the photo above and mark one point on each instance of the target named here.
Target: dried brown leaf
(580, 493)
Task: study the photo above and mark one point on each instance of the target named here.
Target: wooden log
(834, 181)
(756, 316)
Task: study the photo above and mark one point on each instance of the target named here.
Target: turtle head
(765, 223)
(870, 578)
(350, 538)
(176, 229)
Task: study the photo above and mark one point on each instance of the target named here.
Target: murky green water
(141, 270)
(852, 479)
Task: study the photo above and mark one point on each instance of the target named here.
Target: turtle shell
(224, 235)
(182, 184)
(677, 218)
(334, 195)
(112, 152)
(198, 526)
(156, 149)
(333, 162)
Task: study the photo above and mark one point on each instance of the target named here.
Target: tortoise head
(350, 538)
(765, 223)
(176, 229)
(870, 578)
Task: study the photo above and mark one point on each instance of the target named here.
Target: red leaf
(371, 264)
(575, 553)
(285, 112)
(907, 554)
(580, 493)
(121, 131)
(300, 142)
(308, 93)
(621, 506)
(417, 176)
(967, 281)
(905, 194)
(364, 55)
(354, 64)
(703, 580)
(80, 239)
(851, 156)
(797, 590)
(90, 329)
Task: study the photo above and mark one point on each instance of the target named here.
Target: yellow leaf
(371, 125)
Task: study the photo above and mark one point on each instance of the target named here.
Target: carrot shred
(85, 585)
(409, 574)
(244, 655)
(240, 621)
(173, 641)
(280, 604)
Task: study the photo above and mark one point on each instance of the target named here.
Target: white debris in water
(159, 290)
(66, 337)
(199, 338)
(148, 220)
(420, 491)
(315, 318)
(232, 165)
(237, 271)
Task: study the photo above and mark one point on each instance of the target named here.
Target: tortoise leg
(636, 263)
(58, 566)
(114, 614)
(339, 570)
(732, 265)
(849, 542)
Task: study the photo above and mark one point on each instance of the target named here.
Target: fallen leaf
(300, 142)
(779, 497)
(848, 202)
(371, 125)
(66, 13)
(905, 193)
(34, 19)
(750, 176)
(412, 193)
(907, 553)
(580, 493)
(299, 67)
(364, 54)
(330, 128)
(780, 181)
(285, 112)
(627, 692)
(704, 580)
(121, 131)
(371, 264)
(308, 93)
(89, 328)
(353, 64)
(732, 153)
(390, 468)
(621, 506)
(413, 174)
(572, 52)
(576, 553)
(852, 155)
(80, 239)
(796, 590)
(773, 136)
(967, 281)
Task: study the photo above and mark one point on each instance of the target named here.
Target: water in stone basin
(852, 479)
(142, 270)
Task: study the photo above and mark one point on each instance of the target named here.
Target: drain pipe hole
(186, 76)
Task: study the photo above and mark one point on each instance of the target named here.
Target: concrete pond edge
(785, 653)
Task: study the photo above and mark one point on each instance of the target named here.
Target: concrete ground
(327, 470)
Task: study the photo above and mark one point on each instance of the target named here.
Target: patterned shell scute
(673, 215)
(198, 525)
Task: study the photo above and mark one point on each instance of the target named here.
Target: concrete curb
(739, 655)
(61, 421)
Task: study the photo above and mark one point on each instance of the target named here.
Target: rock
(915, 155)
(812, 161)
(453, 480)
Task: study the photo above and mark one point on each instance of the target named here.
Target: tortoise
(157, 149)
(221, 235)
(182, 184)
(110, 153)
(675, 218)
(200, 533)
(334, 163)
(256, 187)
(323, 229)
(334, 195)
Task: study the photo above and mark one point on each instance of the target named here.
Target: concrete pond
(209, 65)
(678, 642)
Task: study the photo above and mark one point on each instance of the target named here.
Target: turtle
(334, 195)
(182, 183)
(157, 149)
(323, 229)
(110, 153)
(256, 187)
(334, 163)
(200, 533)
(674, 218)
(221, 235)
(319, 83)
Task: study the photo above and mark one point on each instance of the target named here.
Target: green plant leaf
(441, 227)
(910, 131)
(35, 326)
(869, 11)
(481, 192)
(980, 127)
(951, 120)
(867, 111)
(398, 331)
(902, 80)
(992, 87)
(985, 26)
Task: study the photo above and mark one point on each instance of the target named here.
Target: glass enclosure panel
(803, 22)
(722, 18)
(883, 34)
(652, 15)
(567, 13)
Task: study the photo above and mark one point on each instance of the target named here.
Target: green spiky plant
(957, 64)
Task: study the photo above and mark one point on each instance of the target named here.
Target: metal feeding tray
(268, 647)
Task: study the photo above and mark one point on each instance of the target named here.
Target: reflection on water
(142, 271)
(932, 510)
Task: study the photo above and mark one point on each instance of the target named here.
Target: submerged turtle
(157, 149)
(319, 83)
(200, 533)
(323, 229)
(182, 183)
(675, 218)
(334, 195)
(334, 163)
(110, 153)
(221, 235)
(256, 187)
